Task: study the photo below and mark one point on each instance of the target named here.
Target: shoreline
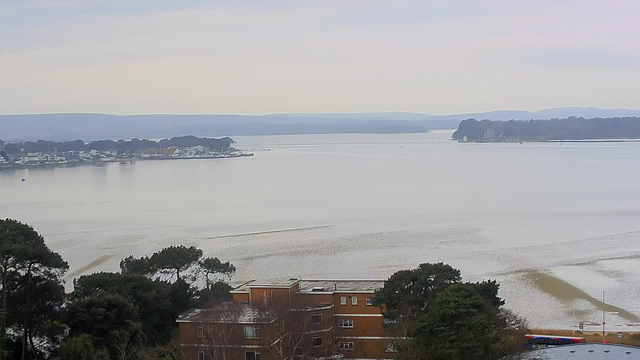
(123, 160)
(612, 140)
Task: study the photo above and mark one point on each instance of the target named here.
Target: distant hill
(571, 128)
(66, 127)
(545, 114)
(72, 126)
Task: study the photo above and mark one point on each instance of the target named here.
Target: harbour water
(555, 223)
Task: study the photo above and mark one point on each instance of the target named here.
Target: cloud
(278, 56)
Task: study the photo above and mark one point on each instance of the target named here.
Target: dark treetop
(571, 128)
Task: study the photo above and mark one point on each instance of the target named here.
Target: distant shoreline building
(302, 319)
(491, 135)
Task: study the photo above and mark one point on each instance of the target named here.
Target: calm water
(363, 206)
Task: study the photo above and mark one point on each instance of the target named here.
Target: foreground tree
(213, 271)
(214, 293)
(136, 266)
(170, 350)
(24, 256)
(128, 315)
(102, 317)
(187, 270)
(457, 326)
(152, 300)
(157, 290)
(436, 316)
(408, 293)
(172, 261)
(81, 348)
(43, 314)
(509, 329)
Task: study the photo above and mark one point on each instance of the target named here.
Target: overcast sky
(266, 56)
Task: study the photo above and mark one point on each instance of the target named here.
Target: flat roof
(586, 351)
(269, 283)
(284, 283)
(340, 285)
(315, 285)
(229, 313)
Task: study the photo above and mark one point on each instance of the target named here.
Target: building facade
(276, 320)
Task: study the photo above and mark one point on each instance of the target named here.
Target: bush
(78, 348)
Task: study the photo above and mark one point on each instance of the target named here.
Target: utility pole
(604, 339)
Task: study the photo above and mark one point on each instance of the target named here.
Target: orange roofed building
(290, 319)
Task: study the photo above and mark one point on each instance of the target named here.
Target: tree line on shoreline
(571, 128)
(131, 314)
(124, 146)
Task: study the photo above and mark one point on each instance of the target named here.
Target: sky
(255, 57)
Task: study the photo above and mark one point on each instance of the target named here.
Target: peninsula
(48, 153)
(571, 128)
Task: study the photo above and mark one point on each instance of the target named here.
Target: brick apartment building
(302, 319)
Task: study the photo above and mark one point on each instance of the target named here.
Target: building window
(200, 331)
(316, 318)
(391, 347)
(252, 332)
(346, 323)
(200, 355)
(252, 355)
(354, 300)
(346, 346)
(317, 341)
(343, 300)
(369, 301)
